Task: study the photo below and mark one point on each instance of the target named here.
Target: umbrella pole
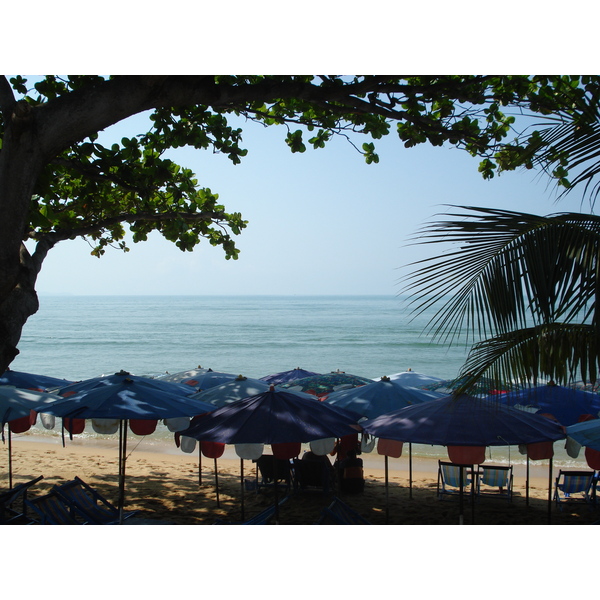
(199, 464)
(217, 484)
(122, 460)
(550, 491)
(527, 484)
(410, 470)
(9, 458)
(460, 480)
(242, 483)
(387, 493)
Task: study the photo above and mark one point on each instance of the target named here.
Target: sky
(320, 223)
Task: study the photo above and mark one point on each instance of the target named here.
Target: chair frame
(303, 470)
(268, 467)
(504, 491)
(51, 510)
(588, 492)
(442, 482)
(8, 514)
(89, 503)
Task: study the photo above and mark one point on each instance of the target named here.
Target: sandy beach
(163, 484)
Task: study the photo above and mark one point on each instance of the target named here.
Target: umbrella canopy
(273, 417)
(564, 403)
(16, 403)
(484, 386)
(321, 385)
(412, 379)
(463, 421)
(30, 381)
(124, 396)
(238, 389)
(586, 433)
(188, 377)
(379, 397)
(209, 379)
(287, 376)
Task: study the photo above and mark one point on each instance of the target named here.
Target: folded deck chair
(12, 503)
(448, 481)
(89, 504)
(339, 513)
(573, 482)
(499, 478)
(51, 510)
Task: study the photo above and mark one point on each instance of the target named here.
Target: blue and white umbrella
(123, 397)
(379, 397)
(287, 376)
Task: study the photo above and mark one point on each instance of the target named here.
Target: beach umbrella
(238, 389)
(188, 377)
(30, 381)
(287, 376)
(566, 404)
(274, 417)
(321, 385)
(17, 403)
(465, 421)
(412, 379)
(209, 379)
(124, 397)
(586, 433)
(484, 386)
(379, 397)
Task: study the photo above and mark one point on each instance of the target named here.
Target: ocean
(79, 337)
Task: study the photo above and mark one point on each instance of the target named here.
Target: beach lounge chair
(448, 481)
(89, 504)
(51, 510)
(10, 501)
(497, 479)
(274, 470)
(573, 482)
(339, 513)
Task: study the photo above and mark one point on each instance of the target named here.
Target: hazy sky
(322, 222)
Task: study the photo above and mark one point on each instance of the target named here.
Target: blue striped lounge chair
(573, 482)
(498, 480)
(449, 478)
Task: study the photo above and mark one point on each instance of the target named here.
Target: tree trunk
(15, 308)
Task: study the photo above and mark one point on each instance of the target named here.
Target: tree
(524, 288)
(57, 182)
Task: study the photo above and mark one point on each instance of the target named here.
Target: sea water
(79, 337)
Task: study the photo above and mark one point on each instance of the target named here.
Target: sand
(163, 484)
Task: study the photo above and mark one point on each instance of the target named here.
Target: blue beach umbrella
(209, 379)
(124, 396)
(464, 421)
(564, 403)
(187, 377)
(30, 381)
(273, 417)
(586, 433)
(287, 376)
(16, 403)
(412, 379)
(321, 385)
(238, 389)
(379, 397)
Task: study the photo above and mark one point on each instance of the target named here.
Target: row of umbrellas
(237, 410)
